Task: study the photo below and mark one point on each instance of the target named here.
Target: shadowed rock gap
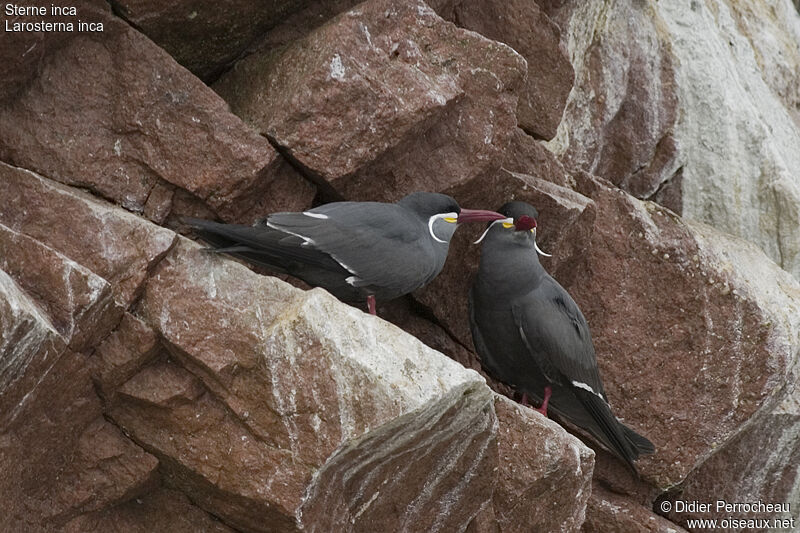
(326, 193)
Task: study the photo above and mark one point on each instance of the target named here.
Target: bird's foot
(371, 304)
(547, 392)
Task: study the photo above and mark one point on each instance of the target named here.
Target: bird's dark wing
(557, 335)
(558, 338)
(378, 244)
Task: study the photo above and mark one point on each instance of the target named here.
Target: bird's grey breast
(508, 271)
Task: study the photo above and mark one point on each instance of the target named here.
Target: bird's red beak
(525, 223)
(478, 215)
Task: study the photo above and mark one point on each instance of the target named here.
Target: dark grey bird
(530, 334)
(355, 250)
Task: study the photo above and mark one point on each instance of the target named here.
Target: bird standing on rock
(355, 250)
(530, 333)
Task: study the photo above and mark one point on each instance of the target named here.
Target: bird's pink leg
(371, 303)
(547, 392)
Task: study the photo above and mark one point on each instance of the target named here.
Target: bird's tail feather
(263, 246)
(618, 438)
(229, 249)
(216, 233)
(640, 443)
(255, 246)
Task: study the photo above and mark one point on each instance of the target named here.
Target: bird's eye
(508, 225)
(450, 220)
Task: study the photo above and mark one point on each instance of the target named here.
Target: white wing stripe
(315, 215)
(353, 272)
(584, 386)
(307, 240)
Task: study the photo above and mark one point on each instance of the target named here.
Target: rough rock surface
(527, 29)
(22, 52)
(634, 267)
(378, 100)
(299, 23)
(740, 146)
(544, 487)
(728, 337)
(71, 287)
(614, 125)
(160, 510)
(695, 108)
(356, 402)
(306, 394)
(63, 291)
(77, 300)
(113, 113)
(734, 473)
(359, 409)
(30, 345)
(118, 247)
(608, 512)
(60, 458)
(202, 36)
(148, 386)
(773, 477)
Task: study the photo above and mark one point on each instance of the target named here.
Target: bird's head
(519, 225)
(442, 213)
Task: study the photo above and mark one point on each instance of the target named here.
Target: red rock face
(202, 37)
(44, 211)
(146, 385)
(18, 64)
(351, 487)
(528, 30)
(658, 273)
(160, 510)
(548, 492)
(125, 121)
(608, 512)
(634, 268)
(381, 98)
(31, 264)
(64, 290)
(60, 457)
(771, 475)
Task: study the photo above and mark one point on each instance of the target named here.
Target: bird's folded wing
(557, 336)
(376, 243)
